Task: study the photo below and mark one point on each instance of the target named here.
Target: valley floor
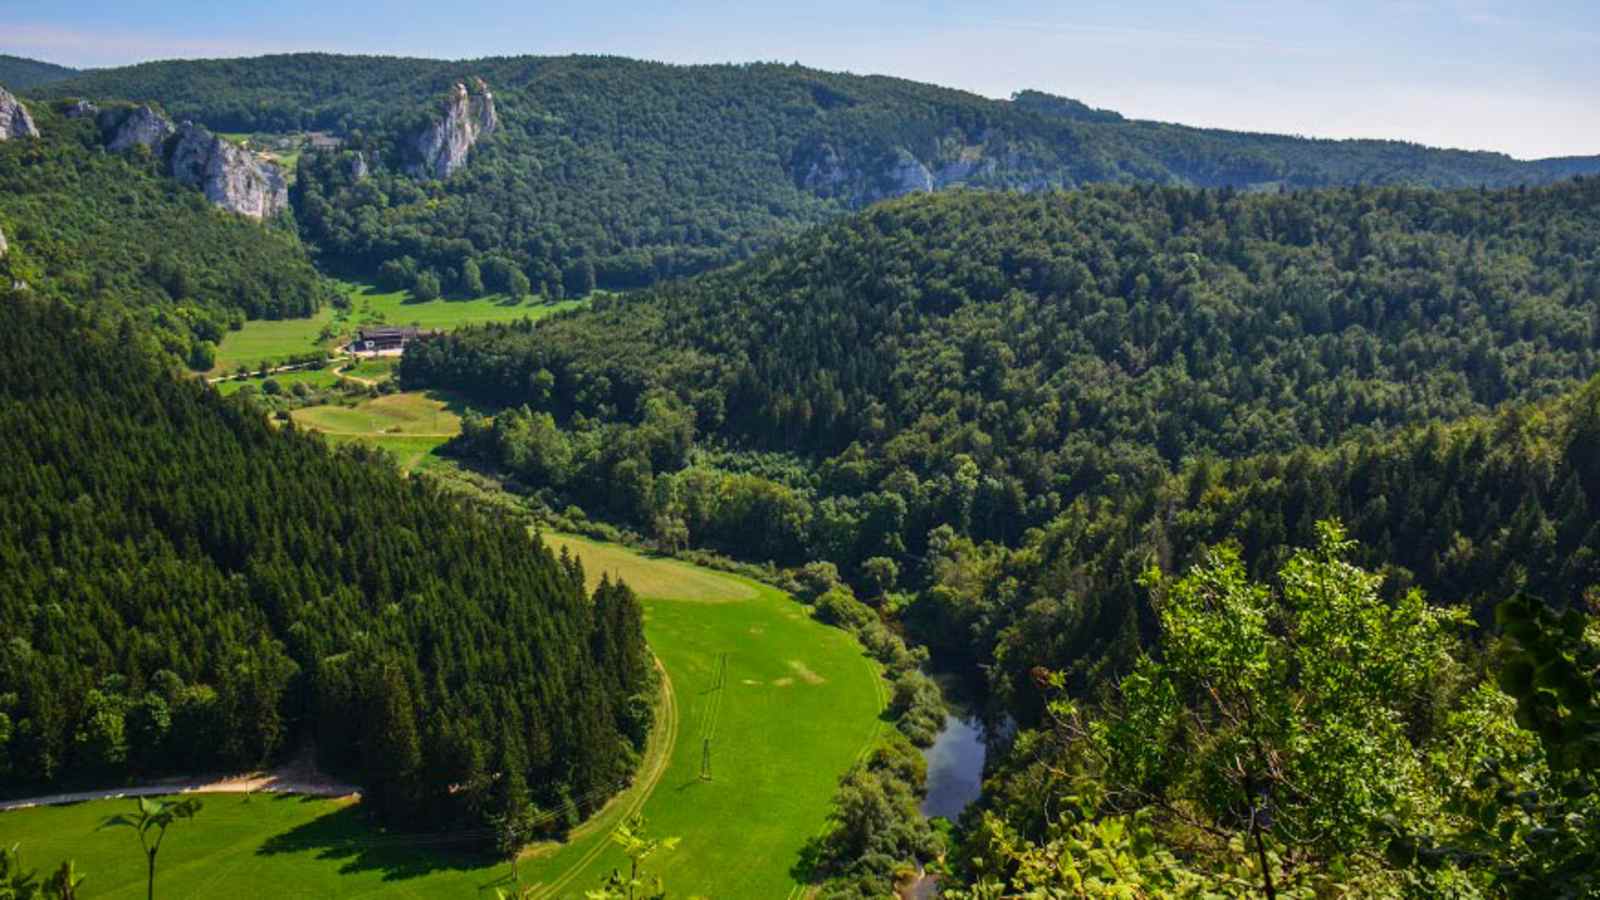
(798, 704)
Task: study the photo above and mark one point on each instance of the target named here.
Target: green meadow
(317, 379)
(799, 703)
(267, 340)
(412, 425)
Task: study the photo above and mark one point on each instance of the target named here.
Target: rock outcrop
(907, 175)
(441, 148)
(824, 172)
(3, 247)
(358, 166)
(80, 109)
(14, 119)
(230, 176)
(137, 127)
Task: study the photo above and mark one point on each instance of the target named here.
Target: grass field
(422, 413)
(372, 368)
(653, 577)
(275, 340)
(316, 378)
(799, 704)
(411, 425)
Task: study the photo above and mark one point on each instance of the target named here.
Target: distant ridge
(18, 73)
(616, 173)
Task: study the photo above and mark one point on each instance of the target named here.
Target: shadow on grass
(348, 835)
(808, 869)
(504, 301)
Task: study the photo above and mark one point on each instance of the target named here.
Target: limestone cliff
(863, 174)
(80, 109)
(3, 247)
(441, 148)
(14, 119)
(907, 175)
(137, 127)
(231, 176)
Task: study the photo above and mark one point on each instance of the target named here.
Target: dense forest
(185, 588)
(20, 73)
(619, 173)
(1053, 437)
(108, 233)
(980, 361)
(1343, 667)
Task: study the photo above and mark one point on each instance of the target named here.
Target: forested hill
(18, 73)
(620, 173)
(1473, 512)
(981, 359)
(108, 233)
(184, 588)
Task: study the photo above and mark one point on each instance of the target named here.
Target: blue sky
(1523, 78)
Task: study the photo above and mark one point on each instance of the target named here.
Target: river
(955, 768)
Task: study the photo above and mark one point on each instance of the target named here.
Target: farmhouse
(385, 338)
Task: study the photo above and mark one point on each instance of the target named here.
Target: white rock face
(14, 119)
(141, 127)
(3, 247)
(908, 175)
(442, 148)
(231, 176)
(81, 109)
(358, 166)
(826, 174)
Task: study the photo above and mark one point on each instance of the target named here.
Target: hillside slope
(620, 173)
(186, 588)
(107, 232)
(18, 73)
(981, 359)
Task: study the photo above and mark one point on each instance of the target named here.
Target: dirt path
(342, 369)
(297, 777)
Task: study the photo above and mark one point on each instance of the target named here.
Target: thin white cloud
(96, 47)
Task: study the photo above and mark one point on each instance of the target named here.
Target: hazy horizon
(1447, 73)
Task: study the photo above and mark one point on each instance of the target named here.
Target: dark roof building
(385, 337)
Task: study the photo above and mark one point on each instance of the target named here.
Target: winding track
(658, 769)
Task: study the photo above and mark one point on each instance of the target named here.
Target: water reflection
(955, 768)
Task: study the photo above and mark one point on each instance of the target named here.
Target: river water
(955, 768)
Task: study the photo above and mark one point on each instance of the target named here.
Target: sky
(1518, 77)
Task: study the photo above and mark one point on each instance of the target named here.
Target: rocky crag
(441, 148)
(230, 176)
(140, 126)
(14, 119)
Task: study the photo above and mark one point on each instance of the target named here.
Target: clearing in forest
(652, 576)
(265, 340)
(411, 425)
